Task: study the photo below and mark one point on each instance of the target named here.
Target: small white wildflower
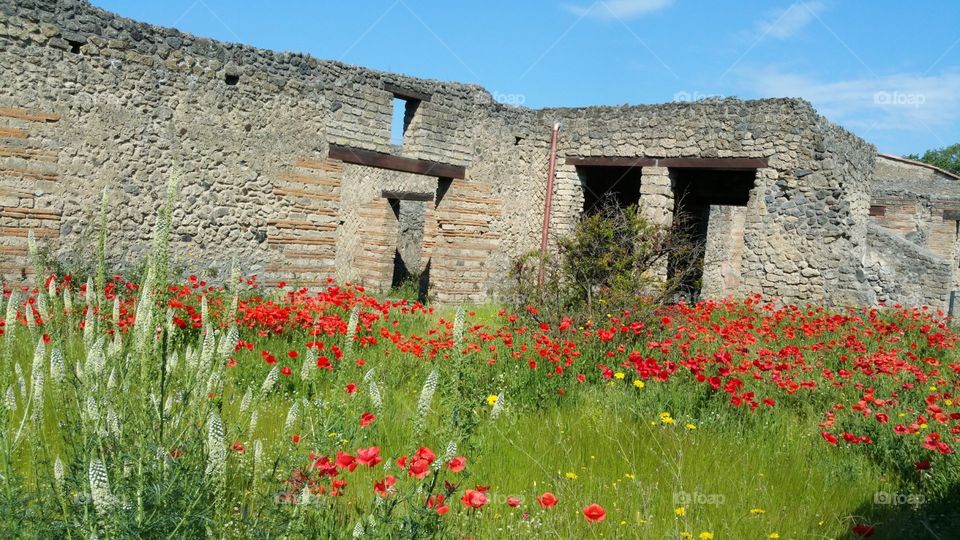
(358, 530)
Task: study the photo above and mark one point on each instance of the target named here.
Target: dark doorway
(695, 191)
(410, 273)
(622, 183)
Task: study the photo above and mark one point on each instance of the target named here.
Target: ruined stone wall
(94, 102)
(902, 272)
(921, 204)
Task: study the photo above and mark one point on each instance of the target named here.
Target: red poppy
(513, 502)
(863, 530)
(346, 461)
(351, 388)
(922, 465)
(295, 438)
(594, 513)
(829, 437)
(238, 447)
(547, 500)
(384, 487)
(474, 499)
(369, 456)
(437, 504)
(286, 371)
(457, 463)
(366, 419)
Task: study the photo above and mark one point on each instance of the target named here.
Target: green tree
(947, 158)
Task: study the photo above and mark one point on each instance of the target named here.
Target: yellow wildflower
(680, 511)
(690, 426)
(756, 511)
(773, 536)
(570, 475)
(619, 375)
(638, 383)
(491, 399)
(706, 535)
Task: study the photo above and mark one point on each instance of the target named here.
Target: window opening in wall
(443, 185)
(622, 183)
(74, 46)
(231, 79)
(404, 109)
(878, 210)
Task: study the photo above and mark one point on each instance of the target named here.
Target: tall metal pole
(548, 202)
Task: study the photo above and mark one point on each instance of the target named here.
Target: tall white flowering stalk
(228, 342)
(89, 326)
(67, 300)
(216, 454)
(423, 405)
(497, 408)
(270, 380)
(34, 252)
(257, 453)
(245, 401)
(10, 399)
(448, 454)
(42, 306)
(58, 473)
(375, 397)
(292, 415)
(458, 322)
(358, 530)
(309, 363)
(38, 366)
(254, 418)
(58, 371)
(205, 315)
(10, 323)
(143, 323)
(100, 487)
(352, 327)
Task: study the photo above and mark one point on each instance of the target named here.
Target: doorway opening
(411, 274)
(698, 193)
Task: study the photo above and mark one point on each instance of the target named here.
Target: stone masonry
(285, 162)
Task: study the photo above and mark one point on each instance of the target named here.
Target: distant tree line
(947, 158)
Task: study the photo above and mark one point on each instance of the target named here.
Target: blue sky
(887, 70)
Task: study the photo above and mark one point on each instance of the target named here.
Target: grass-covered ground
(171, 413)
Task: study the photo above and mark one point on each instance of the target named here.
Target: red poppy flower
(286, 371)
(474, 499)
(457, 463)
(513, 502)
(437, 504)
(346, 461)
(295, 438)
(922, 465)
(293, 354)
(238, 447)
(366, 419)
(547, 500)
(829, 437)
(351, 388)
(594, 513)
(863, 530)
(369, 456)
(384, 487)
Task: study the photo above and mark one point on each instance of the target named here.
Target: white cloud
(903, 102)
(619, 9)
(789, 21)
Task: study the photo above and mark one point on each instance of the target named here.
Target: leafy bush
(615, 260)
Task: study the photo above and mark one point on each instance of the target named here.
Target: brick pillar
(656, 203)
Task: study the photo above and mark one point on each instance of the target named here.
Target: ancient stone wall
(94, 102)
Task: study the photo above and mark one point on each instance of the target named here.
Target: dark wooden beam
(951, 214)
(406, 195)
(676, 163)
(611, 161)
(405, 93)
(713, 163)
(379, 160)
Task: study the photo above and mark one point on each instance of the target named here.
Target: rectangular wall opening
(410, 272)
(700, 193)
(600, 181)
(404, 109)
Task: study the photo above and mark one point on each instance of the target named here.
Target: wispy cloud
(904, 102)
(789, 21)
(619, 9)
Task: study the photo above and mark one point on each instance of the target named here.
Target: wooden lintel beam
(379, 160)
(676, 163)
(406, 195)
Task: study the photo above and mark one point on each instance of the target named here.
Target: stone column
(656, 195)
(656, 203)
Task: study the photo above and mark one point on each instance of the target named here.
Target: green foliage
(947, 158)
(614, 260)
